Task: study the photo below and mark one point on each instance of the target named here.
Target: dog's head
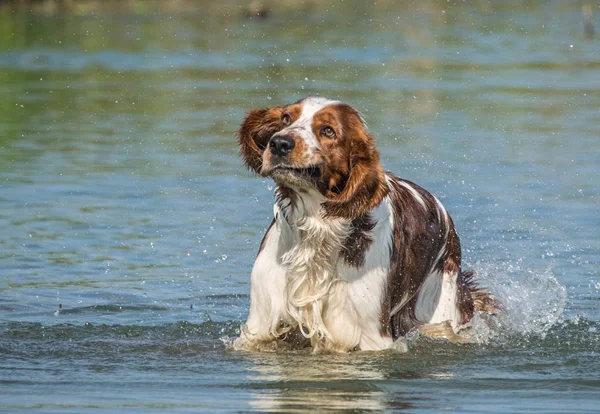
(316, 143)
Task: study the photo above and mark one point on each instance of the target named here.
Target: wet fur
(355, 258)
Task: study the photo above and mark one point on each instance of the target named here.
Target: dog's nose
(281, 145)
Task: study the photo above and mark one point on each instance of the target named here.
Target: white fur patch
(302, 127)
(436, 302)
(442, 214)
(267, 295)
(311, 271)
(414, 193)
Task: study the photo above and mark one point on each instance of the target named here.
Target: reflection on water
(129, 224)
(328, 383)
(361, 381)
(327, 397)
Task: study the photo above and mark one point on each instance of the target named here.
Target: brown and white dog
(355, 257)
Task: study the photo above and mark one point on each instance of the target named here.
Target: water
(129, 225)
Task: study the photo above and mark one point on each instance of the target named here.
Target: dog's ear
(255, 132)
(366, 185)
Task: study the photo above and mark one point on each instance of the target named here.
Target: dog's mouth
(312, 171)
(299, 176)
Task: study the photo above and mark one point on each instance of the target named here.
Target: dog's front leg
(268, 315)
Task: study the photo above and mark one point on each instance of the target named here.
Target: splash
(533, 302)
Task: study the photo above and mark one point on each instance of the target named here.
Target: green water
(129, 225)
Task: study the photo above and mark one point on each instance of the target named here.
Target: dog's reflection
(289, 381)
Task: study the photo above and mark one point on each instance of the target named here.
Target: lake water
(129, 225)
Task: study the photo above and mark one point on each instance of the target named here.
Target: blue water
(129, 225)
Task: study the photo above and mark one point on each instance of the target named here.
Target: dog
(355, 257)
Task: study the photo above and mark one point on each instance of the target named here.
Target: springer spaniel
(355, 257)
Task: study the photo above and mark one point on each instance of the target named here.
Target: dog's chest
(313, 278)
(334, 301)
(315, 248)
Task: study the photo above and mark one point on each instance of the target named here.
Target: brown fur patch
(354, 177)
(358, 242)
(255, 132)
(294, 110)
(417, 238)
(481, 298)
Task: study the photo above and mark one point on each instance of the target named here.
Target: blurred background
(128, 225)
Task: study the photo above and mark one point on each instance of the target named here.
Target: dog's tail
(482, 299)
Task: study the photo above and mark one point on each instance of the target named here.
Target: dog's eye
(286, 119)
(328, 132)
